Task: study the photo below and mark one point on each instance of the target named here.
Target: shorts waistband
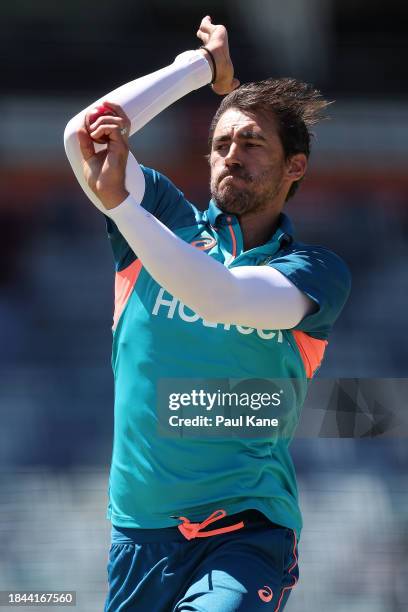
(128, 535)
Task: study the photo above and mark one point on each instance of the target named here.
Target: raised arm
(141, 99)
(145, 97)
(257, 297)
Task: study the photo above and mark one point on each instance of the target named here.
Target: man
(223, 294)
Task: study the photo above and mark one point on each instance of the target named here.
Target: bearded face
(239, 192)
(247, 163)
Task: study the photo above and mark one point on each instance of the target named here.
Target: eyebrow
(245, 135)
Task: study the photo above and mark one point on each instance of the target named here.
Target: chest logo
(204, 244)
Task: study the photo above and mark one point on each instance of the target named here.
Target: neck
(258, 227)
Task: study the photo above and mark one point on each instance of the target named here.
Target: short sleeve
(324, 277)
(165, 201)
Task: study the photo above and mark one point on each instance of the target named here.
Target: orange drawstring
(192, 530)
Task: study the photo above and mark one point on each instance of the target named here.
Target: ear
(296, 166)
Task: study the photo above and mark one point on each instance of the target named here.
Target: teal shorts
(248, 569)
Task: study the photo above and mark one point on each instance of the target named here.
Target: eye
(252, 144)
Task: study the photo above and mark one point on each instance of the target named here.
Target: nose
(232, 157)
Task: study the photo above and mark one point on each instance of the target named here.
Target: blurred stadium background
(56, 274)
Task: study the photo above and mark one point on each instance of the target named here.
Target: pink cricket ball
(93, 115)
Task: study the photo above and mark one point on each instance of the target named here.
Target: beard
(250, 194)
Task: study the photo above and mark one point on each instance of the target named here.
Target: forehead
(234, 120)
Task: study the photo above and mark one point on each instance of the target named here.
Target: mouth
(230, 177)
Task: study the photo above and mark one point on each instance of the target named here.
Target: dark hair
(293, 104)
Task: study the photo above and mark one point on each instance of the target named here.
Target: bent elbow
(70, 134)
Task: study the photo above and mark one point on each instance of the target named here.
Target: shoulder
(156, 177)
(166, 201)
(314, 259)
(322, 275)
(158, 184)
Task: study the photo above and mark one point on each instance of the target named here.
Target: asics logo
(265, 594)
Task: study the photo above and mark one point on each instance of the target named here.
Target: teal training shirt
(154, 478)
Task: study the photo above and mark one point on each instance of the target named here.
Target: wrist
(205, 52)
(112, 200)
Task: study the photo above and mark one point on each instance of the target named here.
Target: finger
(118, 110)
(112, 131)
(206, 26)
(85, 144)
(235, 83)
(107, 119)
(203, 37)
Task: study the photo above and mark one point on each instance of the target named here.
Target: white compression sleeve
(259, 297)
(141, 99)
